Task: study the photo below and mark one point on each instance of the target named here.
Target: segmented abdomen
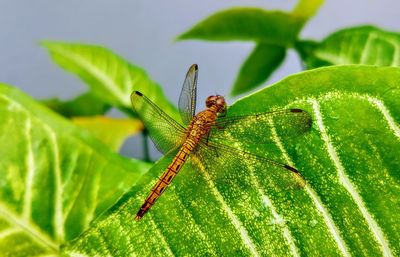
(167, 177)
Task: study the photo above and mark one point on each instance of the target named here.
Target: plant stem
(145, 142)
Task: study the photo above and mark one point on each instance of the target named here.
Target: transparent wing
(187, 99)
(238, 169)
(262, 128)
(164, 131)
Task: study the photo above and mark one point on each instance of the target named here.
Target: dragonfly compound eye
(210, 101)
(221, 101)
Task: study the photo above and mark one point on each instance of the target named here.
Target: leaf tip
(49, 43)
(184, 36)
(45, 43)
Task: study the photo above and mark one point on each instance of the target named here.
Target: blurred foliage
(274, 32)
(111, 131)
(248, 24)
(86, 104)
(110, 78)
(64, 190)
(359, 45)
(260, 64)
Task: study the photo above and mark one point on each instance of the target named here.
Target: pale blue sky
(143, 31)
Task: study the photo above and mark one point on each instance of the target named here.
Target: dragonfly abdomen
(166, 178)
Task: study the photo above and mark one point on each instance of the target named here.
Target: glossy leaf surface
(350, 205)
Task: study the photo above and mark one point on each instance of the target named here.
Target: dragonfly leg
(214, 149)
(220, 126)
(208, 136)
(211, 147)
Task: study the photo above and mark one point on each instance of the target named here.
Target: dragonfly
(208, 139)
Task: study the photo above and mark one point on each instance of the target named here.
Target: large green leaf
(359, 45)
(110, 77)
(248, 24)
(55, 178)
(350, 205)
(260, 64)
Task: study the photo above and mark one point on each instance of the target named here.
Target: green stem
(145, 142)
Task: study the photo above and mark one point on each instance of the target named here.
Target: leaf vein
(319, 205)
(345, 181)
(386, 113)
(32, 231)
(58, 211)
(30, 169)
(203, 236)
(235, 221)
(161, 236)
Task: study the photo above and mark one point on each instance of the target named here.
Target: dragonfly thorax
(217, 103)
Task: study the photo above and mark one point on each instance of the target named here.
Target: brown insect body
(206, 148)
(198, 128)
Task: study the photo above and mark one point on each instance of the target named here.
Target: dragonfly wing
(262, 128)
(187, 99)
(164, 131)
(239, 169)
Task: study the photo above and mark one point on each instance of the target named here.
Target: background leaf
(307, 8)
(247, 24)
(359, 45)
(272, 31)
(110, 77)
(350, 205)
(86, 104)
(260, 64)
(111, 131)
(55, 178)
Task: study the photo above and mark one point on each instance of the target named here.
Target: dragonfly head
(216, 102)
